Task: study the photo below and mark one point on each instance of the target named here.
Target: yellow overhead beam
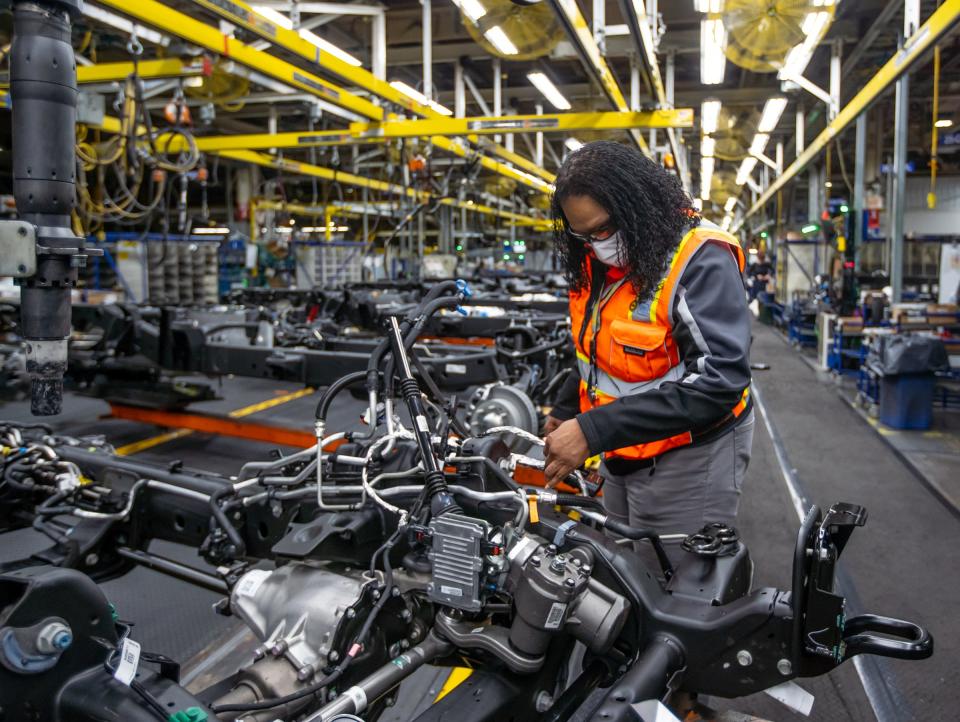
(146, 69)
(582, 35)
(939, 24)
(239, 12)
(157, 15)
(308, 169)
(555, 123)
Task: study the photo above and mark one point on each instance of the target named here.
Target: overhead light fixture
(572, 144)
(746, 169)
(612, 31)
(324, 229)
(772, 111)
(727, 220)
(707, 146)
(471, 8)
(759, 144)
(329, 47)
(814, 26)
(706, 177)
(549, 90)
(206, 231)
(127, 26)
(277, 18)
(730, 204)
(409, 91)
(709, 116)
(828, 184)
(442, 109)
(708, 6)
(713, 43)
(500, 41)
(810, 228)
(943, 123)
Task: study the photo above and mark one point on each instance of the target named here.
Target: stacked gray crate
(339, 263)
(182, 273)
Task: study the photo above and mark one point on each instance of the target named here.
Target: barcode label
(452, 591)
(455, 368)
(129, 661)
(251, 582)
(555, 617)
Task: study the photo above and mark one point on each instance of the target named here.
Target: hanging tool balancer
(40, 249)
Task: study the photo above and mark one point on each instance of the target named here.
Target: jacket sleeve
(712, 331)
(568, 398)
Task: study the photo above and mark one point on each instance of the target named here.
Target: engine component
(554, 592)
(501, 405)
(298, 611)
(456, 556)
(489, 638)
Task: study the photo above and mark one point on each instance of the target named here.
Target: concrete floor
(904, 563)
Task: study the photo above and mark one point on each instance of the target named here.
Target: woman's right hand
(551, 425)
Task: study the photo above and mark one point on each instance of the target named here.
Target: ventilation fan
(734, 133)
(760, 33)
(501, 27)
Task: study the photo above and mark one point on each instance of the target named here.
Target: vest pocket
(638, 351)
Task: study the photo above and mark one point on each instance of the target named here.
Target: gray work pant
(689, 487)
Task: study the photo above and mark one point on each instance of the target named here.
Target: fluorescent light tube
(759, 144)
(329, 47)
(409, 92)
(730, 204)
(943, 123)
(572, 144)
(277, 18)
(727, 220)
(713, 61)
(500, 41)
(219, 231)
(707, 146)
(471, 8)
(549, 90)
(746, 168)
(442, 109)
(772, 111)
(706, 177)
(709, 116)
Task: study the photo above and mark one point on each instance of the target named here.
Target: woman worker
(662, 335)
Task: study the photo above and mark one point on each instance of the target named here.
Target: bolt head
(784, 667)
(744, 658)
(62, 640)
(570, 582)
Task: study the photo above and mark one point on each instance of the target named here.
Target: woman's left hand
(565, 449)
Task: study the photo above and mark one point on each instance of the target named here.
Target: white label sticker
(252, 581)
(555, 617)
(455, 368)
(793, 696)
(358, 697)
(129, 660)
(422, 424)
(452, 591)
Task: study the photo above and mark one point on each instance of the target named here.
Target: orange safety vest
(628, 347)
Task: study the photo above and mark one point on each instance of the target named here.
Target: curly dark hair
(646, 204)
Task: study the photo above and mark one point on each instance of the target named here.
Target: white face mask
(607, 251)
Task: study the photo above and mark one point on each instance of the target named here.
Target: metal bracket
(18, 249)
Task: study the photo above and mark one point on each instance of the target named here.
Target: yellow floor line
(457, 676)
(148, 443)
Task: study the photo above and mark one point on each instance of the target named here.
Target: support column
(901, 121)
(378, 46)
(538, 156)
(859, 169)
(427, 30)
(459, 92)
(801, 125)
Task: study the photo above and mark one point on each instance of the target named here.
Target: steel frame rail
(938, 24)
(146, 69)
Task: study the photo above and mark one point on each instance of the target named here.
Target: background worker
(662, 334)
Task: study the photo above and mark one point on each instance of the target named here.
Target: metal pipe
(174, 569)
(901, 124)
(859, 167)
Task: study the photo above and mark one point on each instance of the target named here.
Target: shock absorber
(441, 500)
(43, 92)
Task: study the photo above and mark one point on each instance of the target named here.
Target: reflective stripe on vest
(639, 353)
